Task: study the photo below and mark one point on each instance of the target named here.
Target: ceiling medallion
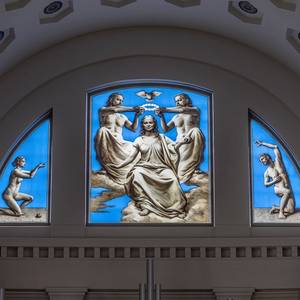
(184, 3)
(6, 37)
(53, 7)
(286, 4)
(247, 7)
(293, 37)
(117, 3)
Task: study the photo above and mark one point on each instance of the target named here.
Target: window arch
(117, 129)
(25, 176)
(275, 179)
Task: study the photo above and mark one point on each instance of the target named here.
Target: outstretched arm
(28, 174)
(133, 126)
(278, 157)
(183, 109)
(165, 126)
(33, 171)
(119, 109)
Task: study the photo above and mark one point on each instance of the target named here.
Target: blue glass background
(265, 197)
(113, 213)
(35, 149)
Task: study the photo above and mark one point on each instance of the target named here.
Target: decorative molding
(116, 3)
(293, 37)
(245, 11)
(6, 37)
(55, 11)
(26, 295)
(15, 4)
(276, 294)
(289, 294)
(232, 293)
(184, 3)
(135, 252)
(66, 293)
(286, 4)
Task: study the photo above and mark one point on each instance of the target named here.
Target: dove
(148, 96)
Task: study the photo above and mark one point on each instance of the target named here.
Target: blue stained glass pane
(266, 200)
(35, 149)
(114, 210)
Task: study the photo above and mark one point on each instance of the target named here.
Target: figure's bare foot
(19, 214)
(144, 212)
(274, 210)
(289, 211)
(281, 215)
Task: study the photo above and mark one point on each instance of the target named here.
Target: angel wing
(142, 94)
(155, 94)
(148, 96)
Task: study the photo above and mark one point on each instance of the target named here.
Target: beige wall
(229, 254)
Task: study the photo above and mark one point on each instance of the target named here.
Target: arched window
(149, 155)
(25, 176)
(274, 175)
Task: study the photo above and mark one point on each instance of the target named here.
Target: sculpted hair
(265, 155)
(186, 97)
(111, 98)
(155, 129)
(17, 160)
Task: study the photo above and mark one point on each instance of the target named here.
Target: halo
(150, 106)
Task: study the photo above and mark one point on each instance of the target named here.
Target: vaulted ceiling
(28, 26)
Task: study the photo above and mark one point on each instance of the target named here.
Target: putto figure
(111, 148)
(276, 175)
(152, 182)
(11, 194)
(186, 122)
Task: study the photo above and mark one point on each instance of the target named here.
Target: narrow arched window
(274, 176)
(149, 154)
(25, 176)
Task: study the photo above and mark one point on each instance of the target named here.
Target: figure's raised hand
(41, 165)
(258, 143)
(158, 112)
(187, 140)
(140, 110)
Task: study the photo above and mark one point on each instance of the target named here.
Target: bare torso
(184, 122)
(273, 173)
(14, 184)
(113, 121)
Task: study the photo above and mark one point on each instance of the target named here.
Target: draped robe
(191, 154)
(152, 183)
(112, 150)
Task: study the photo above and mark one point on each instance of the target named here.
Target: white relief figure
(276, 175)
(12, 192)
(186, 122)
(111, 148)
(152, 183)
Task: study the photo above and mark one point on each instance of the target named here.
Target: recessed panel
(25, 178)
(275, 178)
(149, 155)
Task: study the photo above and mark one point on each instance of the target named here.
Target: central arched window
(149, 154)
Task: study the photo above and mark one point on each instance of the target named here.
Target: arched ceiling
(28, 26)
